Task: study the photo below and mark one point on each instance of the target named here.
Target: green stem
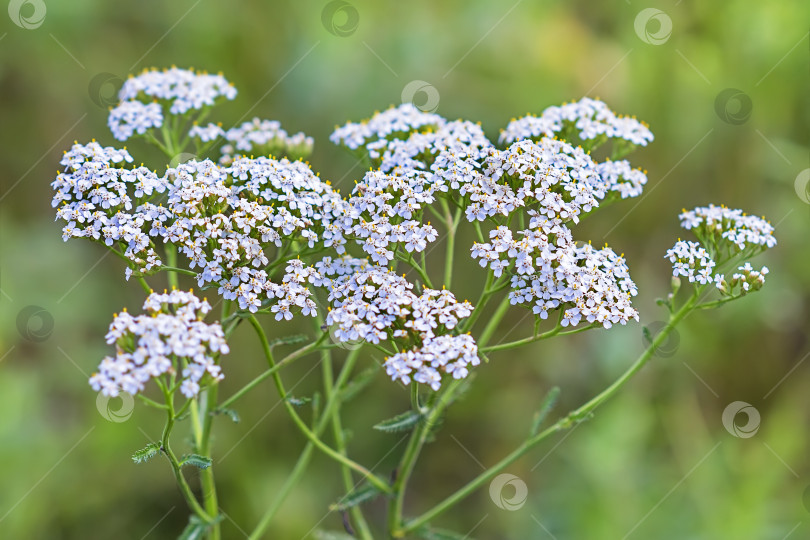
(419, 269)
(175, 270)
(716, 303)
(176, 469)
(330, 391)
(564, 423)
(492, 325)
(479, 304)
(152, 139)
(332, 401)
(452, 225)
(557, 331)
(208, 484)
(290, 358)
(373, 479)
(171, 259)
(152, 403)
(415, 397)
(415, 444)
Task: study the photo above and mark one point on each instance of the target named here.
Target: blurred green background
(654, 463)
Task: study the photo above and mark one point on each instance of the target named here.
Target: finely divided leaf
(401, 422)
(230, 413)
(288, 340)
(360, 495)
(195, 530)
(201, 462)
(145, 454)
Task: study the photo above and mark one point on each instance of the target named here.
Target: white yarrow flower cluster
(184, 89)
(727, 233)
(691, 260)
(549, 272)
(373, 304)
(225, 218)
(438, 354)
(587, 118)
(619, 177)
(394, 121)
(560, 181)
(383, 205)
(101, 198)
(148, 97)
(264, 137)
(427, 158)
(745, 280)
(734, 226)
(134, 117)
(206, 134)
(169, 338)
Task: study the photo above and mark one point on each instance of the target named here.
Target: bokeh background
(655, 463)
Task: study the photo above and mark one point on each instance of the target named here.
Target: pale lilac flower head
(264, 138)
(170, 337)
(146, 99)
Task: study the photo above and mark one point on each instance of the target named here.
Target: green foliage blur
(655, 463)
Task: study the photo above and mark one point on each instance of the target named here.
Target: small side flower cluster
(383, 125)
(133, 117)
(206, 134)
(373, 304)
(745, 280)
(101, 198)
(143, 98)
(168, 338)
(734, 226)
(551, 271)
(724, 234)
(588, 119)
(264, 138)
(691, 260)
